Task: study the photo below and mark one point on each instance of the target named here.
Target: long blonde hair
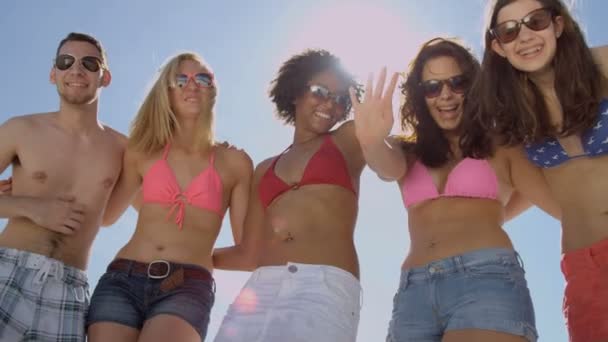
(155, 122)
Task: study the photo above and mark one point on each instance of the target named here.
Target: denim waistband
(460, 263)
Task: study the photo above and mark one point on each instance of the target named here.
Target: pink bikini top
(160, 185)
(473, 178)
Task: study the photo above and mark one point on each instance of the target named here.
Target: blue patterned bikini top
(550, 152)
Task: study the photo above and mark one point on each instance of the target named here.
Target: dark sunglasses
(201, 80)
(323, 94)
(91, 63)
(432, 88)
(536, 20)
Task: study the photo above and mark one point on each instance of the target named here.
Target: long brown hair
(426, 141)
(510, 104)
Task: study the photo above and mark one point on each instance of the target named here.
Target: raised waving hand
(374, 116)
(373, 123)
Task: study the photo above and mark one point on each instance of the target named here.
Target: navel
(40, 176)
(108, 183)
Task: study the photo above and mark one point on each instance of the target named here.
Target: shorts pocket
(500, 271)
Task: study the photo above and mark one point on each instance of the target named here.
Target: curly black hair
(293, 77)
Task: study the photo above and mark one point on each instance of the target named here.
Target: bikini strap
(276, 159)
(166, 151)
(212, 156)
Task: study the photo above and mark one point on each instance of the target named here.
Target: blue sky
(245, 42)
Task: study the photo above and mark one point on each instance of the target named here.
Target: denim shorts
(484, 289)
(132, 292)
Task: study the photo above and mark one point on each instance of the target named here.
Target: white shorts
(294, 302)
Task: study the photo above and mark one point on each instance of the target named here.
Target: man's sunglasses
(536, 20)
(323, 94)
(432, 88)
(91, 63)
(201, 80)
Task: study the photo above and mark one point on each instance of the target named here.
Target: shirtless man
(64, 166)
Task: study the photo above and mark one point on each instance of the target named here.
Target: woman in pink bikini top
(458, 195)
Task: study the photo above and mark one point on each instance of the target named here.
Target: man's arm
(61, 214)
(125, 190)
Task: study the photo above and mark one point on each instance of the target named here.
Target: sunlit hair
(155, 122)
(83, 37)
(427, 141)
(509, 103)
(293, 77)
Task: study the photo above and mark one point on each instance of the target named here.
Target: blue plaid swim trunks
(41, 299)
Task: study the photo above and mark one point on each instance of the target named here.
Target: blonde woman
(159, 286)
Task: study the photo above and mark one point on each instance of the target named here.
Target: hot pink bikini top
(473, 178)
(159, 185)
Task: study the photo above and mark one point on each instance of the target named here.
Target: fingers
(79, 208)
(353, 98)
(72, 223)
(368, 87)
(380, 84)
(6, 186)
(391, 87)
(64, 230)
(76, 216)
(67, 198)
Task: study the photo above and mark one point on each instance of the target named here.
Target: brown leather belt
(159, 269)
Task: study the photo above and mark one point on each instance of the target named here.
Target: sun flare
(366, 37)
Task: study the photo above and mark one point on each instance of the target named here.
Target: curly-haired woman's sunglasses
(322, 93)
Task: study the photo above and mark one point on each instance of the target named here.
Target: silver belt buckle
(152, 276)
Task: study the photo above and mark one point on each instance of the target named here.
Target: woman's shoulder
(234, 156)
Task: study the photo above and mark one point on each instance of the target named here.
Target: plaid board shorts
(41, 299)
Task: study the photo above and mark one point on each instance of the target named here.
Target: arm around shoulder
(241, 165)
(600, 55)
(244, 254)
(125, 188)
(529, 181)
(10, 133)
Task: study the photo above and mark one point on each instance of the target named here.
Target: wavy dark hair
(511, 105)
(427, 141)
(293, 77)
